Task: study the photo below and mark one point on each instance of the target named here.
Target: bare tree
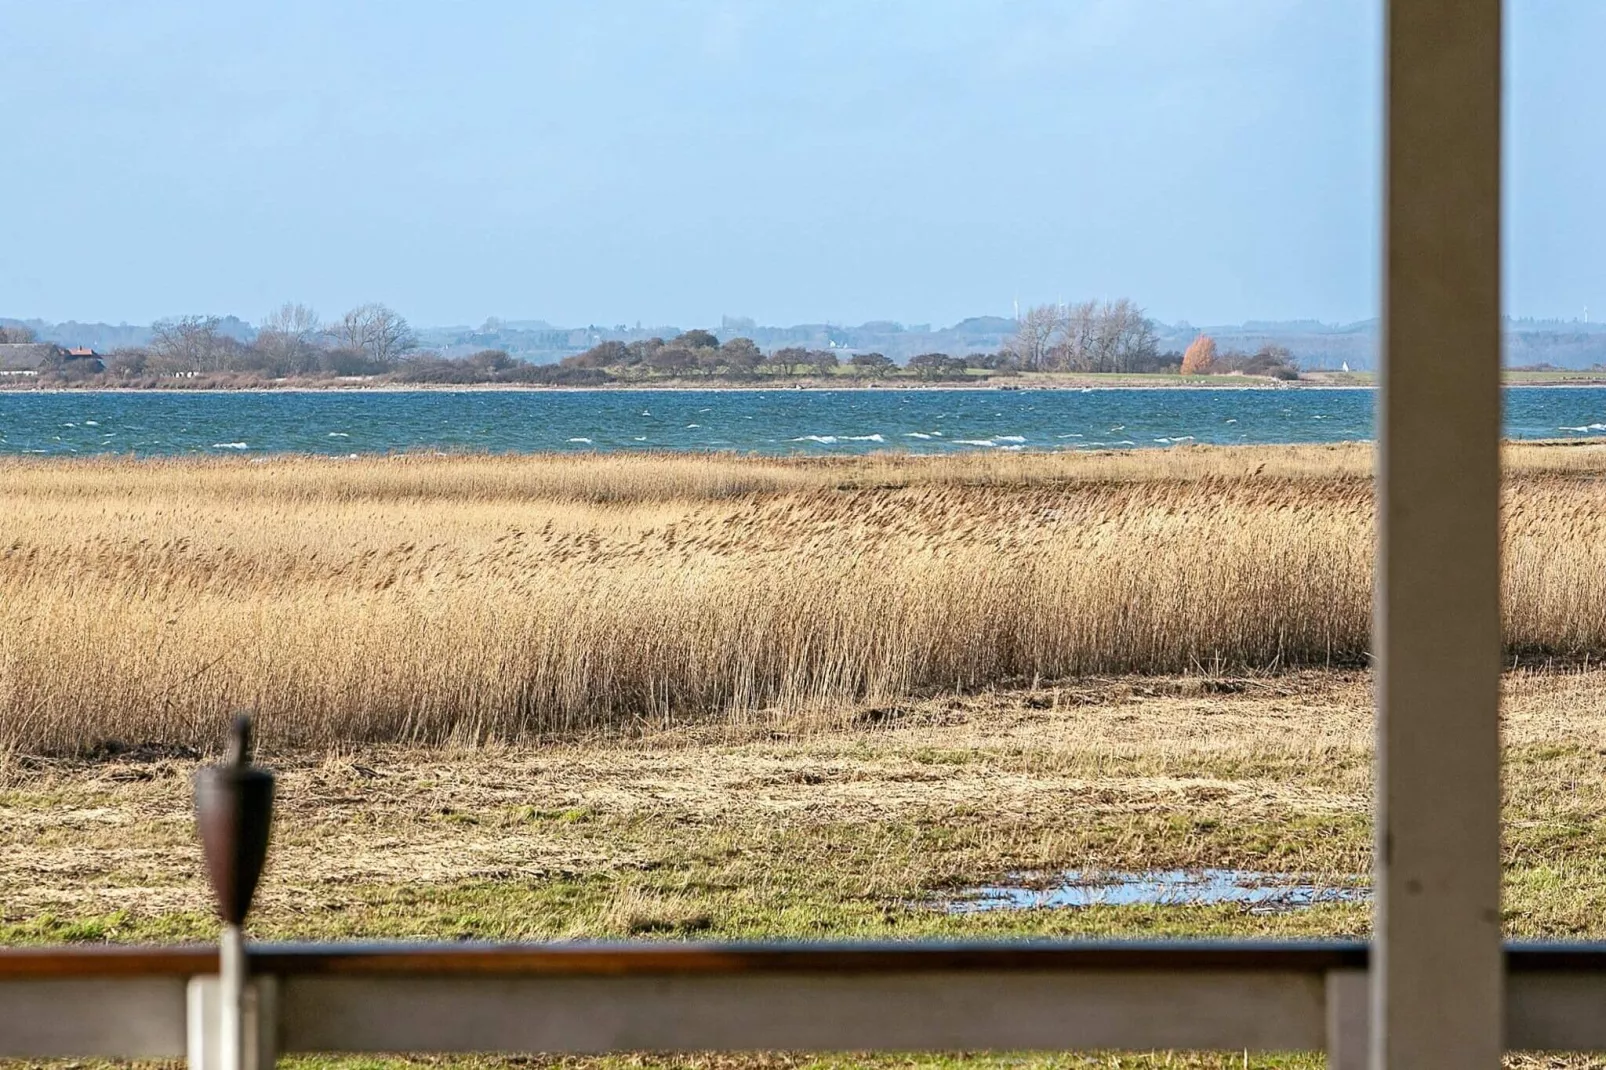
(17, 334)
(377, 332)
(672, 359)
(1075, 349)
(601, 355)
(192, 343)
(786, 360)
(1105, 342)
(287, 341)
(127, 363)
(293, 320)
(875, 365)
(1273, 360)
(1131, 334)
(740, 355)
(1035, 335)
(1111, 337)
(821, 361)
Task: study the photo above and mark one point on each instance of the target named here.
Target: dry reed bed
(460, 598)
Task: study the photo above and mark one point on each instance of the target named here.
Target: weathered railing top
(674, 959)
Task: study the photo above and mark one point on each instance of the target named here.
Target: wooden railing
(569, 998)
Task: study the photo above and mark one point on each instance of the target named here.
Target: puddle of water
(1261, 893)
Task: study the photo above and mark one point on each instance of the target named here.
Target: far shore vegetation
(1091, 344)
(374, 346)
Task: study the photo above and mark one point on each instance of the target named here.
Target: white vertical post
(231, 1010)
(232, 1019)
(1437, 984)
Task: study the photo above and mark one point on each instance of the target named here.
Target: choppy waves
(811, 422)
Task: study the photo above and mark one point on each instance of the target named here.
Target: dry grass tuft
(457, 600)
(637, 911)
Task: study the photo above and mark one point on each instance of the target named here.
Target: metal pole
(231, 1009)
(1437, 977)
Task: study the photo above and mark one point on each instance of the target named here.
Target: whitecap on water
(585, 440)
(865, 438)
(1584, 429)
(230, 446)
(915, 434)
(1012, 438)
(338, 434)
(974, 442)
(824, 439)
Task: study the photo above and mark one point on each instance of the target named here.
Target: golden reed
(437, 599)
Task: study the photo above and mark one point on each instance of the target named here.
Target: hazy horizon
(1216, 162)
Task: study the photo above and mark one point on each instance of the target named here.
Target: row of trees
(292, 341)
(1109, 336)
(700, 353)
(372, 339)
(1115, 336)
(1202, 358)
(697, 353)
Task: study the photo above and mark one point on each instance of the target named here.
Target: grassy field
(863, 830)
(1574, 377)
(434, 600)
(711, 697)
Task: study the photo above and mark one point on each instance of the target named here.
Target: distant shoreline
(303, 387)
(657, 388)
(1070, 381)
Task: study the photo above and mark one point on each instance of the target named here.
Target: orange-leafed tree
(1200, 356)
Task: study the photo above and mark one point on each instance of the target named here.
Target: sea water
(775, 422)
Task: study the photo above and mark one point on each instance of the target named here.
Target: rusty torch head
(234, 811)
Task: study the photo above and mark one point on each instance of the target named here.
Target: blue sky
(667, 162)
